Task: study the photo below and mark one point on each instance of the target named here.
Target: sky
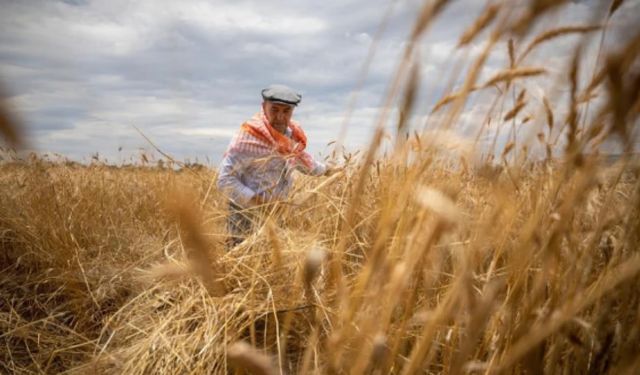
(82, 75)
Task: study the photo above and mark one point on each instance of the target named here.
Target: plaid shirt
(253, 167)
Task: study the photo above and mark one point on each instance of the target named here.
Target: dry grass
(556, 253)
(411, 263)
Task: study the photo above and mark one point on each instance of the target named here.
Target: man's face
(278, 114)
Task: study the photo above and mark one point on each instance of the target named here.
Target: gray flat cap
(281, 94)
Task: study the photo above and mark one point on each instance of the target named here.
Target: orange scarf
(259, 127)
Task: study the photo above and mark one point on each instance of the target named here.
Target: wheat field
(431, 258)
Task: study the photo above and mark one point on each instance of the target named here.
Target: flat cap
(281, 94)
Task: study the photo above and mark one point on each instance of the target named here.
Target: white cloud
(109, 37)
(208, 132)
(188, 73)
(226, 17)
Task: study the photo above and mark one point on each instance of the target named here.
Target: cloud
(83, 73)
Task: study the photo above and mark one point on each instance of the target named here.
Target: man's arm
(229, 181)
(316, 169)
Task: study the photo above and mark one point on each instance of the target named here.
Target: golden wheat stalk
(512, 53)
(312, 266)
(486, 17)
(535, 9)
(507, 149)
(566, 312)
(549, 112)
(450, 98)
(9, 127)
(505, 75)
(202, 262)
(276, 245)
(408, 99)
(244, 357)
(556, 33)
(429, 11)
(508, 75)
(615, 4)
(515, 110)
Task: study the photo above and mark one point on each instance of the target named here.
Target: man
(258, 164)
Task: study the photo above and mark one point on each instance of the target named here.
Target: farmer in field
(258, 164)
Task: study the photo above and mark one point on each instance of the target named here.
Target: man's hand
(258, 200)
